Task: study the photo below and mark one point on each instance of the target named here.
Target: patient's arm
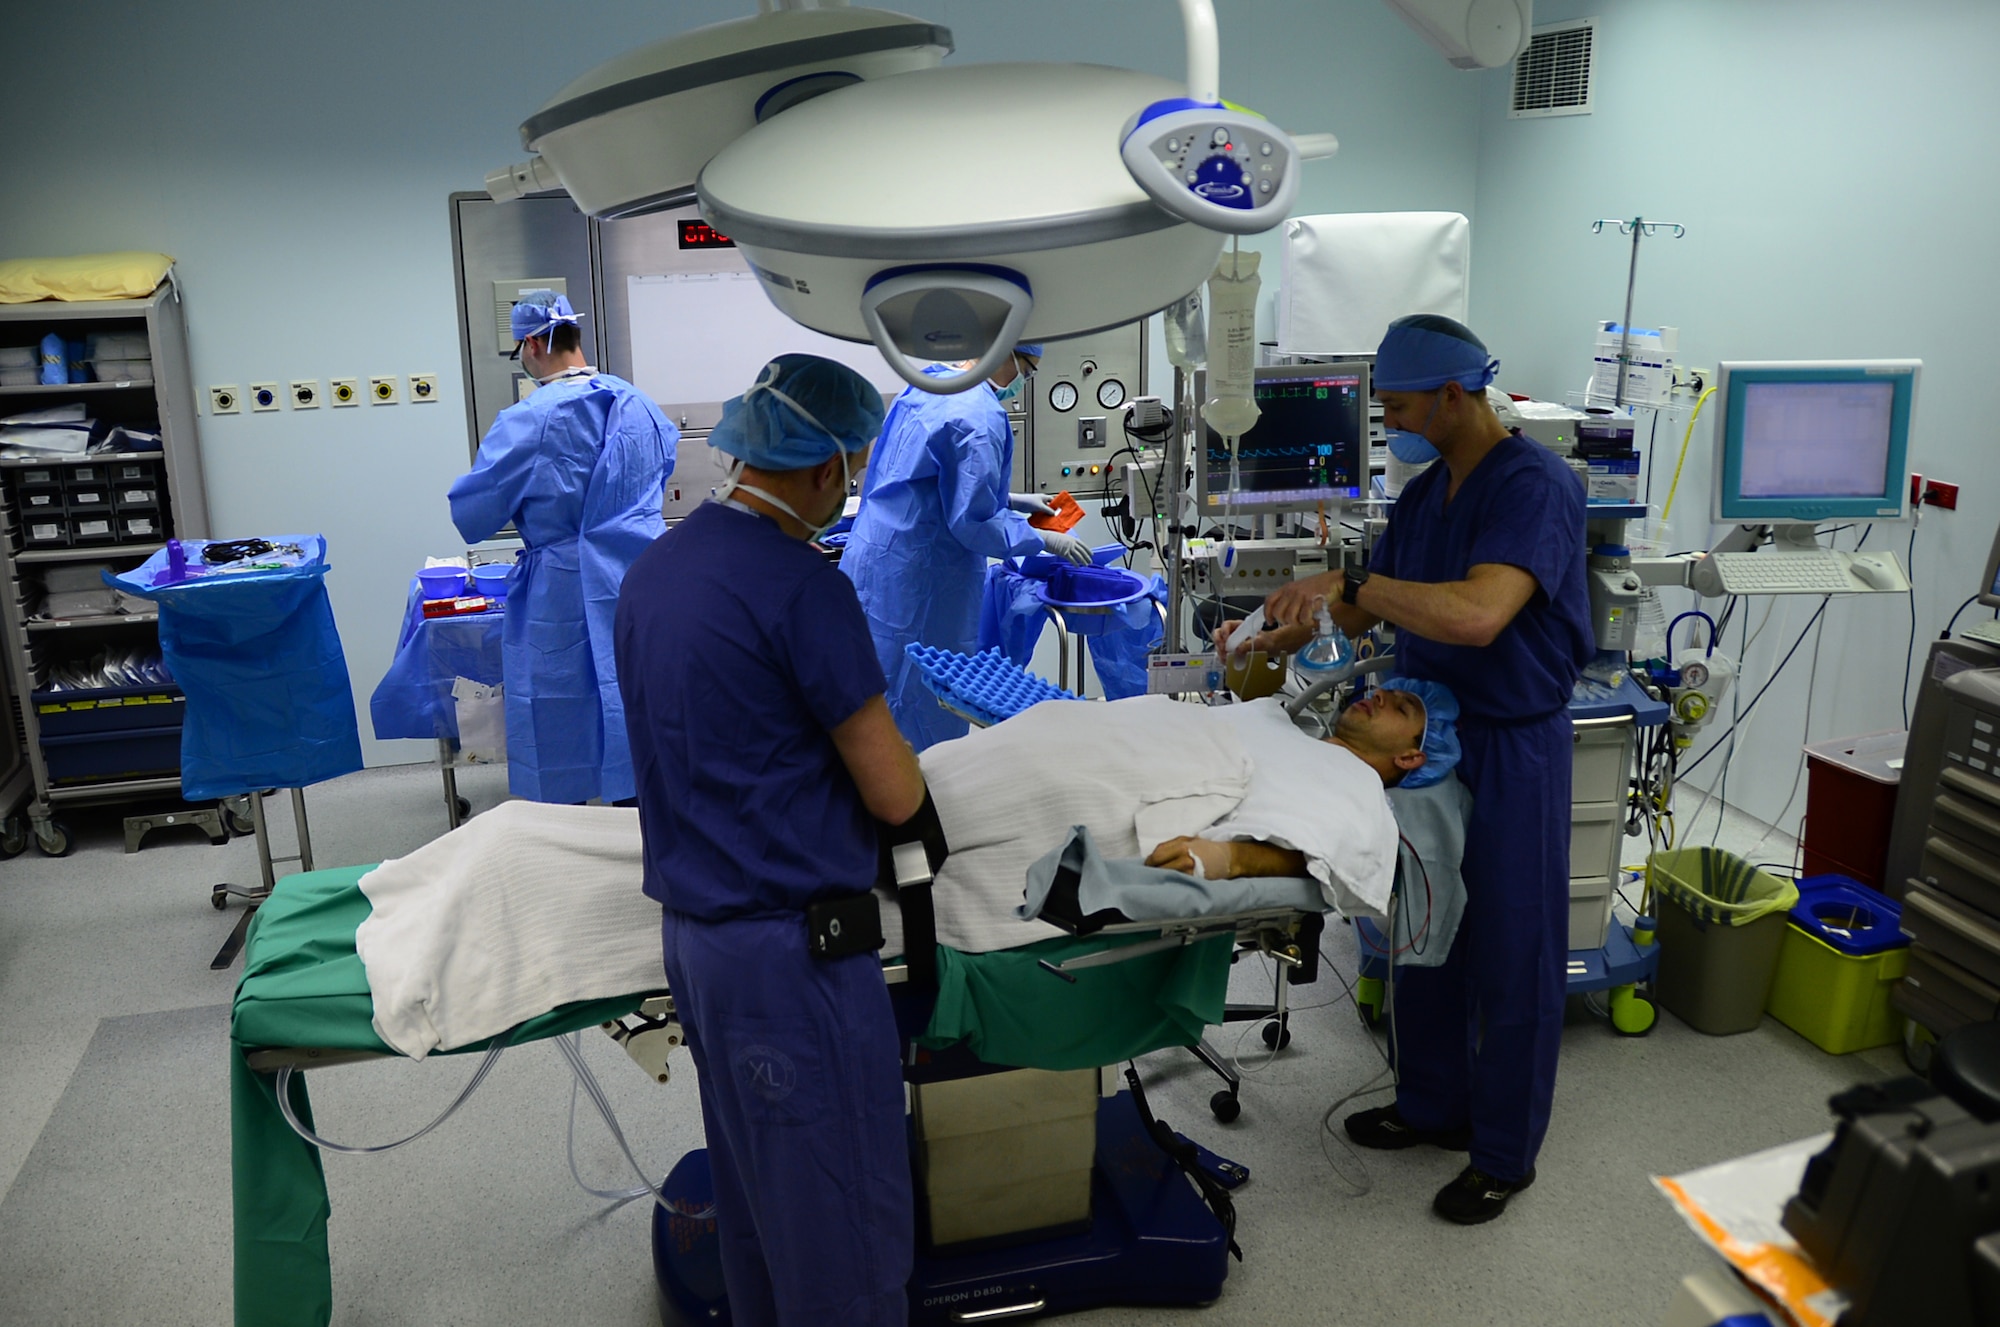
(1223, 861)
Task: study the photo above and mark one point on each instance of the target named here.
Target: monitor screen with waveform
(1307, 447)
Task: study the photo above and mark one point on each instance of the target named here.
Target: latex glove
(1030, 504)
(1205, 859)
(1066, 546)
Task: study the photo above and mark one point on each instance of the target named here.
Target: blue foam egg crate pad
(986, 685)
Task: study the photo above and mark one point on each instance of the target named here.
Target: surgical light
(630, 136)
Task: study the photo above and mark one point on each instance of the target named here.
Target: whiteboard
(702, 337)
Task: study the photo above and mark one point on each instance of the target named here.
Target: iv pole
(1638, 228)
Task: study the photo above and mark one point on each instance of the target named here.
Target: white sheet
(482, 929)
(1315, 798)
(1348, 275)
(1136, 772)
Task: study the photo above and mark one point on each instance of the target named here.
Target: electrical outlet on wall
(385, 389)
(305, 393)
(225, 400)
(346, 391)
(423, 387)
(263, 396)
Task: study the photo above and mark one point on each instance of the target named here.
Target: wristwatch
(1351, 583)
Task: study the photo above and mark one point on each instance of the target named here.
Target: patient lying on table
(1238, 789)
(487, 925)
(1384, 732)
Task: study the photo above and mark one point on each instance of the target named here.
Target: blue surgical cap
(801, 410)
(539, 311)
(1441, 750)
(1424, 351)
(1029, 348)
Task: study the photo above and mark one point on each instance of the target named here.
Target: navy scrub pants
(1477, 1037)
(802, 1101)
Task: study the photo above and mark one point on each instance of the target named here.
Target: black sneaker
(1385, 1130)
(1476, 1197)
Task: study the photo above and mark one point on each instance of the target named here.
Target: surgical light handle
(898, 290)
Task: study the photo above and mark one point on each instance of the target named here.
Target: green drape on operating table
(303, 986)
(1009, 1009)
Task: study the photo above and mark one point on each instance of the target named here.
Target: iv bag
(1232, 318)
(1187, 333)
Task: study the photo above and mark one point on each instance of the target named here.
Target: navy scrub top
(738, 649)
(1521, 506)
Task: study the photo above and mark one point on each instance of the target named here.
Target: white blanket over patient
(1136, 772)
(518, 911)
(529, 907)
(1316, 798)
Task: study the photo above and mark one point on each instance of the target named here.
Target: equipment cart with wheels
(443, 667)
(66, 515)
(246, 628)
(1604, 956)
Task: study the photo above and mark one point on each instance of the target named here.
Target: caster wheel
(239, 822)
(53, 838)
(464, 809)
(1225, 1107)
(13, 837)
(218, 898)
(1632, 1015)
(1277, 1036)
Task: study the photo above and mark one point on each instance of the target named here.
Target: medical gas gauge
(1062, 396)
(1111, 393)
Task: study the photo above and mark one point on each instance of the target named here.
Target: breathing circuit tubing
(571, 1048)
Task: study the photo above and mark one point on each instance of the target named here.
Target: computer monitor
(1989, 580)
(1808, 441)
(1308, 446)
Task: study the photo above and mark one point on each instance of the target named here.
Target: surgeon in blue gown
(934, 508)
(1482, 573)
(580, 470)
(765, 756)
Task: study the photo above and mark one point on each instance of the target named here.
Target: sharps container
(1843, 953)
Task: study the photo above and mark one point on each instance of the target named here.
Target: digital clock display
(701, 235)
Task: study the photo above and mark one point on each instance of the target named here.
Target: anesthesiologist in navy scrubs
(765, 755)
(1481, 571)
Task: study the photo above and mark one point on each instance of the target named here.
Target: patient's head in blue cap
(800, 411)
(1406, 729)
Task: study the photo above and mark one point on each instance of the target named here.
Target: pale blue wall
(1834, 163)
(295, 159)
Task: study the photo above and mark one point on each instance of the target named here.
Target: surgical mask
(812, 531)
(1014, 389)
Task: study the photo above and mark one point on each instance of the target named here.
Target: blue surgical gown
(933, 510)
(739, 650)
(580, 470)
(1478, 1035)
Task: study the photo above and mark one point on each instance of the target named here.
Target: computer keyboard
(1768, 572)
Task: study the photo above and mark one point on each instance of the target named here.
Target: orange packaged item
(1068, 513)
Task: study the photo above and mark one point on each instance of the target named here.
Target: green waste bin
(1721, 928)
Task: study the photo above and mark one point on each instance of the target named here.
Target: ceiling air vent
(1552, 77)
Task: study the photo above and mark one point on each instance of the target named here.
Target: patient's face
(1387, 723)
